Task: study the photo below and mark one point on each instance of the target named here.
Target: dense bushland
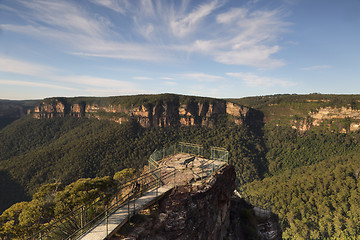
(321, 201)
(311, 179)
(38, 151)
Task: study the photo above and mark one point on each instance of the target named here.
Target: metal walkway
(115, 221)
(175, 168)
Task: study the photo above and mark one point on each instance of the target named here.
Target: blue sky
(215, 48)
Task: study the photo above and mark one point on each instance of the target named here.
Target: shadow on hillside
(256, 123)
(4, 121)
(10, 191)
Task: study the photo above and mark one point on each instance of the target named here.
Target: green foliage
(9, 221)
(311, 179)
(288, 149)
(132, 101)
(52, 202)
(124, 175)
(321, 201)
(81, 192)
(282, 108)
(37, 151)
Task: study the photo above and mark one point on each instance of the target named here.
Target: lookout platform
(189, 169)
(176, 165)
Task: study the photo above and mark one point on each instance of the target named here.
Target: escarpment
(163, 112)
(208, 210)
(344, 119)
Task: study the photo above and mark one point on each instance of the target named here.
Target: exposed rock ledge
(205, 211)
(163, 113)
(318, 117)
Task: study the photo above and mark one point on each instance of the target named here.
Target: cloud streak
(54, 78)
(32, 84)
(254, 80)
(158, 30)
(11, 65)
(316, 67)
(201, 77)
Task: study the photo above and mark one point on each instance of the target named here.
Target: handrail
(73, 216)
(125, 200)
(88, 205)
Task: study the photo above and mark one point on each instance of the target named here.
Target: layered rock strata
(148, 115)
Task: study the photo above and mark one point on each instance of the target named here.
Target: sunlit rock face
(161, 114)
(330, 114)
(207, 210)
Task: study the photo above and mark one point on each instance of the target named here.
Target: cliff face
(206, 211)
(345, 119)
(162, 113)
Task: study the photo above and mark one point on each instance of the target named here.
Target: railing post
(129, 208)
(157, 186)
(174, 178)
(107, 221)
(134, 205)
(82, 219)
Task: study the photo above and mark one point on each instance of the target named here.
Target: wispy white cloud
(82, 33)
(142, 78)
(11, 65)
(201, 77)
(54, 78)
(184, 24)
(249, 37)
(254, 80)
(33, 84)
(115, 5)
(167, 78)
(92, 81)
(316, 67)
(150, 30)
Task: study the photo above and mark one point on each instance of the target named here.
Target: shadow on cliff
(255, 122)
(12, 191)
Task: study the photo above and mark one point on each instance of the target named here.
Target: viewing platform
(176, 165)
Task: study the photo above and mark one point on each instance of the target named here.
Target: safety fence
(181, 147)
(79, 221)
(219, 154)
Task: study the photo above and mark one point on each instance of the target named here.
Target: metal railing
(181, 147)
(77, 222)
(219, 154)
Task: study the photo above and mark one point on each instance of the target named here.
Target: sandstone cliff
(344, 119)
(206, 211)
(160, 113)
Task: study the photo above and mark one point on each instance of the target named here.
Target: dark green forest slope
(38, 151)
(310, 178)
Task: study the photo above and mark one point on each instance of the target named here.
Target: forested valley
(310, 179)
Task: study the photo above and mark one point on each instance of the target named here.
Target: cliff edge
(163, 111)
(203, 211)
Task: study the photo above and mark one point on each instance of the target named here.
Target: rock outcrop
(162, 113)
(332, 114)
(206, 211)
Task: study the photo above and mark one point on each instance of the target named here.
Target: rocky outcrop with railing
(81, 220)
